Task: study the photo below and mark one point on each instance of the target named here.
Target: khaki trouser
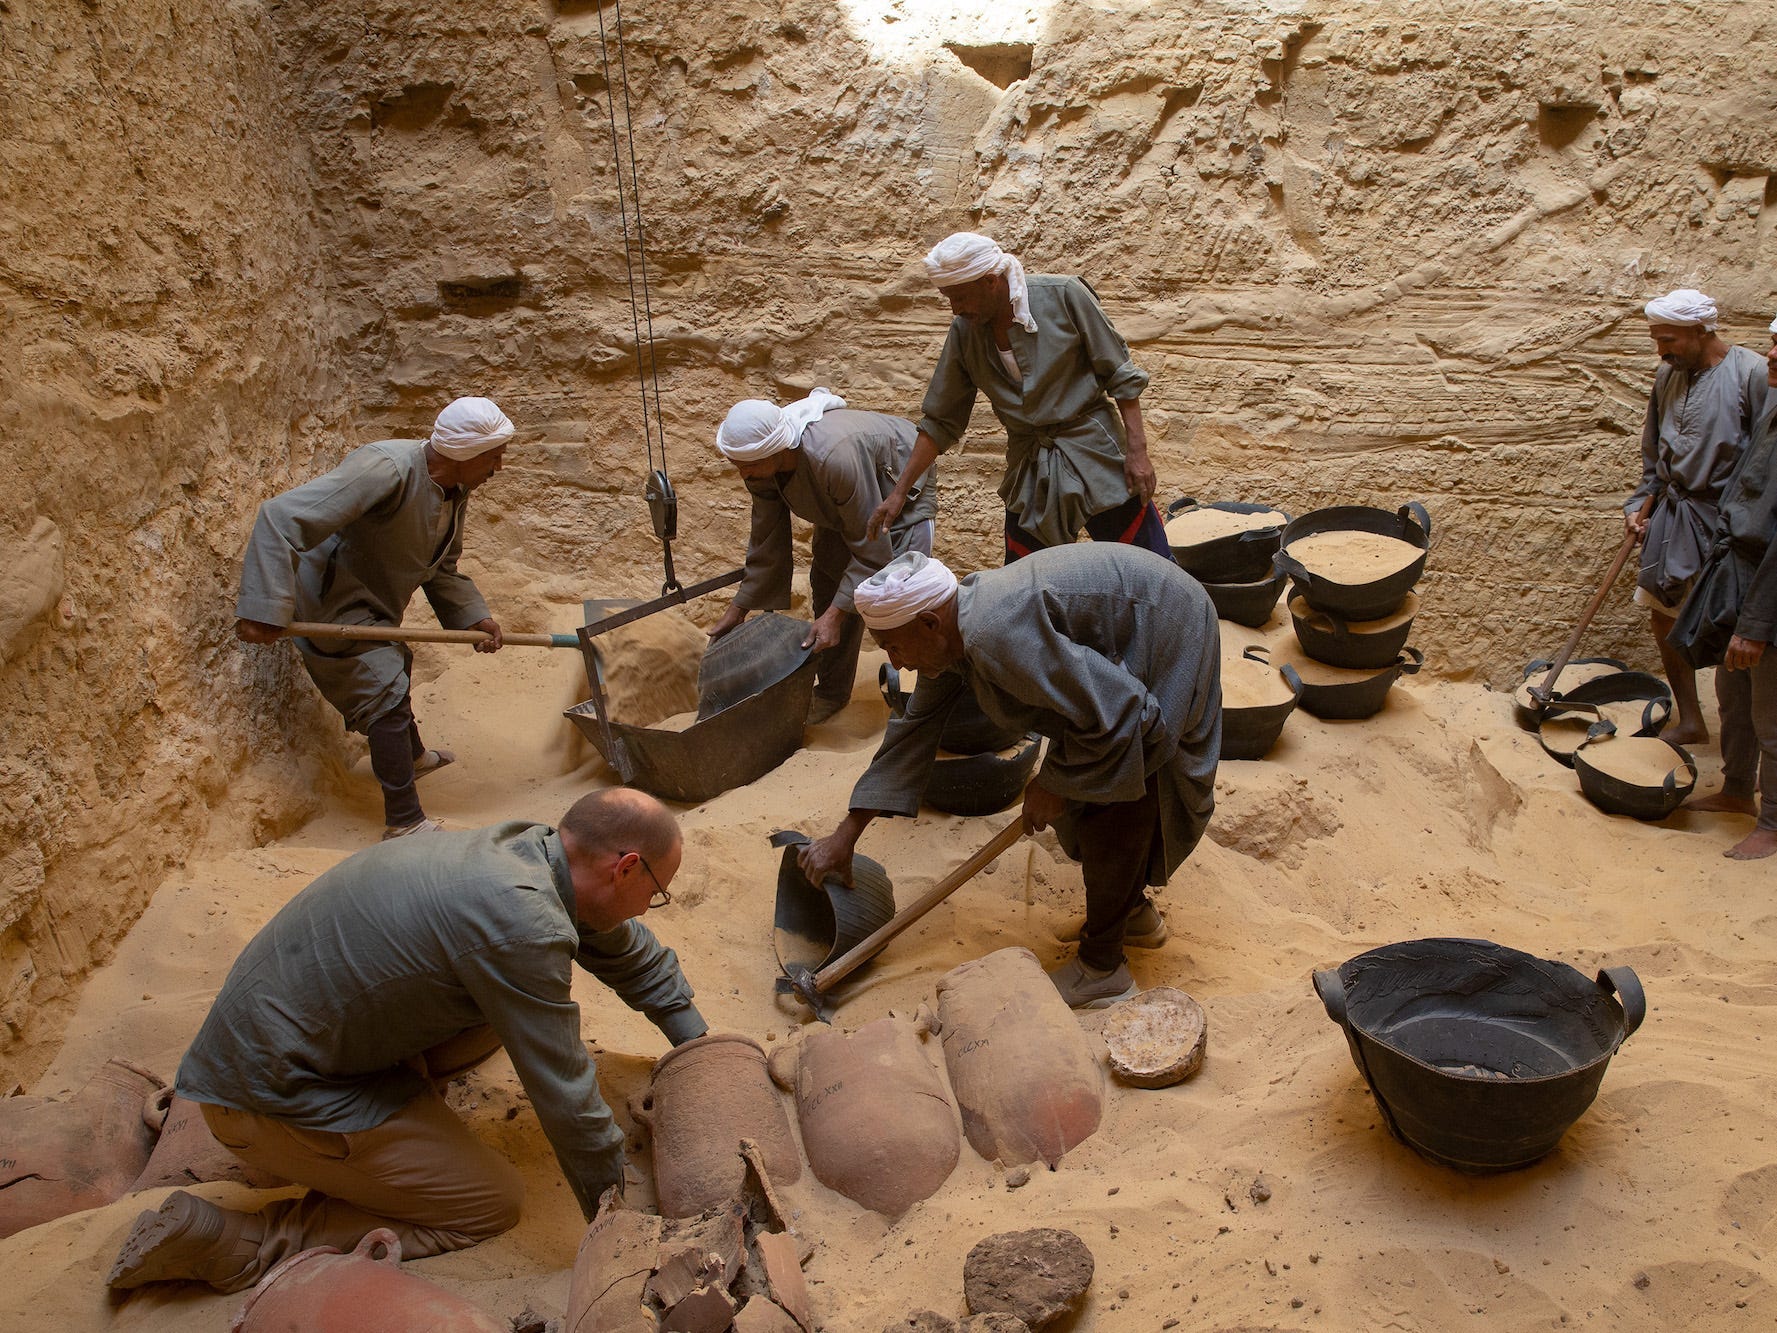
(421, 1173)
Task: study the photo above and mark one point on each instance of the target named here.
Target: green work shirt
(1064, 436)
(351, 548)
(406, 945)
(846, 464)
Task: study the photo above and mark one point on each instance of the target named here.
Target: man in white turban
(1113, 655)
(829, 465)
(1706, 399)
(1059, 378)
(352, 547)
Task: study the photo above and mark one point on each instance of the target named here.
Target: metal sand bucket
(1479, 1056)
(752, 706)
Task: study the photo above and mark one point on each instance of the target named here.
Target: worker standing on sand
(1051, 364)
(832, 466)
(1706, 399)
(351, 548)
(1746, 682)
(396, 970)
(1111, 653)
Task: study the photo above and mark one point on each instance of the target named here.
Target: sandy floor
(1437, 817)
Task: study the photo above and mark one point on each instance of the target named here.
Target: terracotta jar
(877, 1121)
(187, 1153)
(1025, 1077)
(705, 1097)
(58, 1157)
(325, 1291)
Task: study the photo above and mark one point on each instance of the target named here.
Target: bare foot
(1721, 803)
(1686, 733)
(1760, 843)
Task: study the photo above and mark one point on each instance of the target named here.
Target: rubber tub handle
(890, 682)
(1183, 502)
(1417, 510)
(1410, 660)
(1654, 716)
(1627, 986)
(1331, 990)
(1258, 652)
(1294, 679)
(1285, 563)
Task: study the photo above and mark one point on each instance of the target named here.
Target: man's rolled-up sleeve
(645, 975)
(950, 396)
(1105, 348)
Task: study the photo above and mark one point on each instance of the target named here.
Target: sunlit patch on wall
(996, 40)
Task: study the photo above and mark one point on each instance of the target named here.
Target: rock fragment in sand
(1037, 1276)
(1156, 1038)
(922, 1321)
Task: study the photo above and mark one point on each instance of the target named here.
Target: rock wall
(164, 362)
(1368, 254)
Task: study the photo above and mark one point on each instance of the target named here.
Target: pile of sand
(1264, 1193)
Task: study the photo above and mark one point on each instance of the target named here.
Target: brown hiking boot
(189, 1239)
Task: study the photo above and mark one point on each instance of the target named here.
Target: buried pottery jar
(325, 1291)
(187, 1153)
(1025, 1077)
(705, 1097)
(877, 1121)
(61, 1156)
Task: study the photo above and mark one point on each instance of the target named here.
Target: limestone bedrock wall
(163, 364)
(1369, 253)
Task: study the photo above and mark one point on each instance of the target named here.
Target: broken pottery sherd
(1025, 1076)
(1156, 1038)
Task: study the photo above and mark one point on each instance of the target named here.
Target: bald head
(619, 819)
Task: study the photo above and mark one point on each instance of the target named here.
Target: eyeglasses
(660, 896)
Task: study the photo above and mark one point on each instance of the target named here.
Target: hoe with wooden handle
(812, 987)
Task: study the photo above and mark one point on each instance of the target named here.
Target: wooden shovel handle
(874, 943)
(1573, 640)
(402, 634)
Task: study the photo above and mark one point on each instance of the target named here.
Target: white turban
(1774, 326)
(901, 589)
(755, 429)
(468, 427)
(1685, 306)
(965, 255)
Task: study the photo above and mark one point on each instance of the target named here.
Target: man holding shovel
(1110, 652)
(353, 547)
(831, 466)
(1707, 397)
